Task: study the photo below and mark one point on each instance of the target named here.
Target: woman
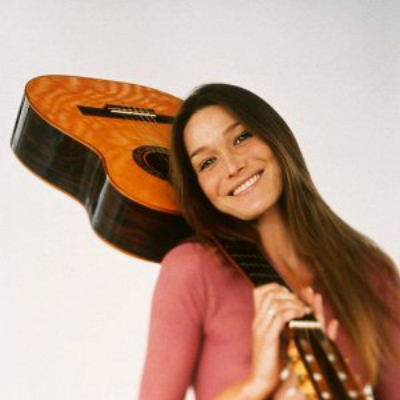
(239, 173)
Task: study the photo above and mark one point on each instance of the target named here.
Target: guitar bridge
(131, 111)
(126, 112)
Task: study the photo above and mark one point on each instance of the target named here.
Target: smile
(250, 182)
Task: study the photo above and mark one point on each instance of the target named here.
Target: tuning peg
(353, 394)
(309, 358)
(317, 376)
(368, 393)
(342, 375)
(331, 357)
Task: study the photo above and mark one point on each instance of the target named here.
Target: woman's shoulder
(194, 251)
(193, 259)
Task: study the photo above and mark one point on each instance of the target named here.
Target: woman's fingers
(274, 300)
(332, 329)
(271, 299)
(316, 303)
(318, 309)
(277, 316)
(275, 306)
(264, 295)
(266, 292)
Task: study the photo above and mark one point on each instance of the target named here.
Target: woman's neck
(279, 247)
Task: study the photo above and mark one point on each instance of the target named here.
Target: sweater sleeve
(175, 333)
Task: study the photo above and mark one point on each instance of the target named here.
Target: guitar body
(106, 144)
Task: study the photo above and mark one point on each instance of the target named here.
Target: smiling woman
(239, 173)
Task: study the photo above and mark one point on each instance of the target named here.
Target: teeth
(245, 185)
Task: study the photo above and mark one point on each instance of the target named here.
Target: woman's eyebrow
(224, 132)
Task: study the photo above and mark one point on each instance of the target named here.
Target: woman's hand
(314, 300)
(274, 307)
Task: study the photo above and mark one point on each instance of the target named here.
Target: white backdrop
(74, 311)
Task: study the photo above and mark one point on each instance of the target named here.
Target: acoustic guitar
(106, 144)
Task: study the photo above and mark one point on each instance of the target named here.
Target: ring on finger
(271, 312)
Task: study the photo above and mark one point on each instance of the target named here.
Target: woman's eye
(243, 136)
(206, 163)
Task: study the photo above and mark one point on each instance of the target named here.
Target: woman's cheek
(208, 184)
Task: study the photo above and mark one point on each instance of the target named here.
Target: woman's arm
(175, 330)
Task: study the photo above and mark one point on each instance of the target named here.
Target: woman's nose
(234, 164)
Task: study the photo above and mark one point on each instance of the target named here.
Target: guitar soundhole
(154, 160)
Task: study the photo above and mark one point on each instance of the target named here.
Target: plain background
(74, 311)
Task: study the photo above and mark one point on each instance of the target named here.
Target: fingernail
(336, 324)
(291, 391)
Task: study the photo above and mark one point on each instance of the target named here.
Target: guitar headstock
(321, 370)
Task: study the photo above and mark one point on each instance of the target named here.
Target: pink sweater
(200, 330)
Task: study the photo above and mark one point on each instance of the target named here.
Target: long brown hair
(351, 268)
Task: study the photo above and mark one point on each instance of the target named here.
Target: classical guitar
(106, 144)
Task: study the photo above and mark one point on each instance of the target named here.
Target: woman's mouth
(247, 184)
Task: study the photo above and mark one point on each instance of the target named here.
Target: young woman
(239, 173)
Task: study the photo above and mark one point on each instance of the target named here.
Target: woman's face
(236, 170)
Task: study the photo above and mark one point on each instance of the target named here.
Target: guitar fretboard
(251, 262)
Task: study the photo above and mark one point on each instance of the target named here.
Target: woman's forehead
(207, 124)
